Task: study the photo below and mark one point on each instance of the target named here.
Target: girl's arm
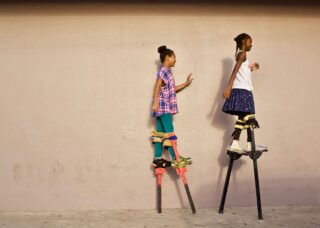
(241, 58)
(185, 84)
(155, 105)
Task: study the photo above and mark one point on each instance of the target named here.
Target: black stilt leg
(226, 185)
(256, 174)
(256, 177)
(193, 208)
(159, 199)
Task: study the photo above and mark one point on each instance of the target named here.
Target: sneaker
(161, 163)
(258, 147)
(235, 147)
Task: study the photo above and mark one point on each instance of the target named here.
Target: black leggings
(237, 132)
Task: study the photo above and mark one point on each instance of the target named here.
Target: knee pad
(251, 121)
(160, 134)
(164, 138)
(167, 141)
(240, 124)
(157, 137)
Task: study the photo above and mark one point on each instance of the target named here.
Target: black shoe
(161, 163)
(166, 163)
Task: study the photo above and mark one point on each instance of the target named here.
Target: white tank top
(243, 78)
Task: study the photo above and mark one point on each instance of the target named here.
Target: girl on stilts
(164, 106)
(239, 97)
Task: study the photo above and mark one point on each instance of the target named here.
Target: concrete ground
(289, 216)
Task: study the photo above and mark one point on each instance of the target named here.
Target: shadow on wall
(151, 123)
(225, 123)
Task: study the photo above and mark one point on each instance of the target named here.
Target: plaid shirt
(167, 97)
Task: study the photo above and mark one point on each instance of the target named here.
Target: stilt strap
(241, 124)
(173, 137)
(164, 138)
(160, 134)
(181, 163)
(251, 121)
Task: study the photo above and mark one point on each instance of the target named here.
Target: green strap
(183, 162)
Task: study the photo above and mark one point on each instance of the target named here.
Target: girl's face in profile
(171, 60)
(248, 44)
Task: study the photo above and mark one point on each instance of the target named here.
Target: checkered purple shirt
(167, 97)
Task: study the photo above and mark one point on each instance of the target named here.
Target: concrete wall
(75, 96)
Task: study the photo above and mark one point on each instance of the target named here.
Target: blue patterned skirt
(240, 102)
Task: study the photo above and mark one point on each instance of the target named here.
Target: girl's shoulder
(164, 70)
(164, 74)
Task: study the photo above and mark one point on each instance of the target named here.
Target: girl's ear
(165, 58)
(244, 43)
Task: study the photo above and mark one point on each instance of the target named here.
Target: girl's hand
(254, 66)
(180, 87)
(189, 79)
(227, 92)
(155, 106)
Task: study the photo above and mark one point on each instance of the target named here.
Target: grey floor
(289, 216)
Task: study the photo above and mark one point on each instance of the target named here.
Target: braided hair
(164, 51)
(241, 37)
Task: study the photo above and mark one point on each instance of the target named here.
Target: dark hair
(241, 37)
(164, 51)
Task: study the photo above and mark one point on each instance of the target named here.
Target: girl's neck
(166, 66)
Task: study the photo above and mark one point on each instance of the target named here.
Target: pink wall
(75, 93)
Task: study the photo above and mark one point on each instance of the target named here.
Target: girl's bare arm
(241, 58)
(156, 95)
(185, 84)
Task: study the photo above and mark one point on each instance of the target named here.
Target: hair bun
(235, 39)
(162, 49)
